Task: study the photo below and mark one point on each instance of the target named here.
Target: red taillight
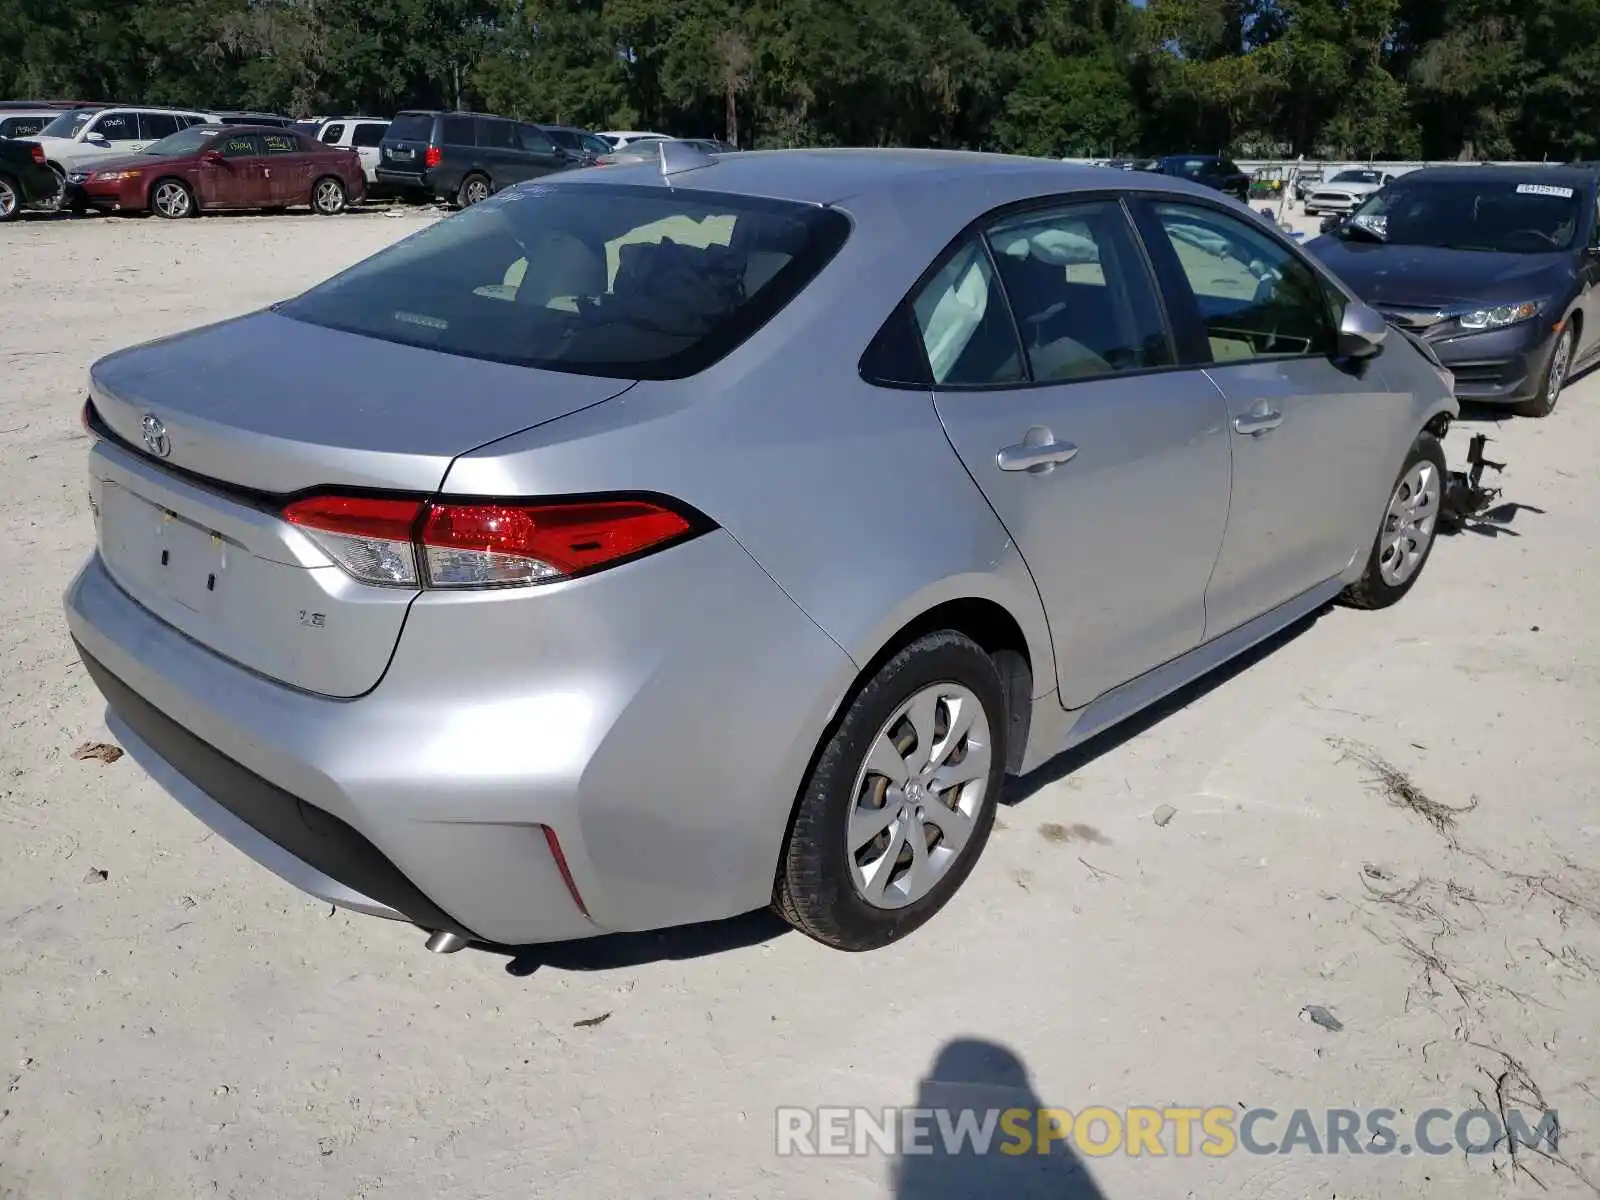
(566, 872)
(415, 543)
(432, 156)
(36, 152)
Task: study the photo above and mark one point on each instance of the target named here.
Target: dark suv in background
(1209, 169)
(465, 157)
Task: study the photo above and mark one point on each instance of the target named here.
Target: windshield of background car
(1357, 177)
(67, 124)
(622, 281)
(1502, 216)
(187, 141)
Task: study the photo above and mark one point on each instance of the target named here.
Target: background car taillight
(36, 152)
(431, 156)
(415, 543)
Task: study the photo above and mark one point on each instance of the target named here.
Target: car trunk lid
(406, 141)
(209, 431)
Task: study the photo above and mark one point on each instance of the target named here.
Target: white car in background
(1345, 191)
(361, 134)
(79, 138)
(621, 139)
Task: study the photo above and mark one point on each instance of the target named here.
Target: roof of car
(1574, 173)
(831, 175)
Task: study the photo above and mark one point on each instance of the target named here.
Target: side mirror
(97, 140)
(1361, 331)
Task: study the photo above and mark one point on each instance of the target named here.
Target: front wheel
(901, 799)
(1410, 525)
(172, 199)
(1555, 375)
(328, 197)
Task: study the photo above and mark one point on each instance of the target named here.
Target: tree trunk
(733, 113)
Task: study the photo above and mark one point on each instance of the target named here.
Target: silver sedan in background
(649, 545)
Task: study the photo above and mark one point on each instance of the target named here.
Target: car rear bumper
(657, 719)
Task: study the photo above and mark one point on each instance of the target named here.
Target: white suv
(361, 134)
(83, 137)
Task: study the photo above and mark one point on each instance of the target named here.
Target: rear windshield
(622, 281)
(411, 127)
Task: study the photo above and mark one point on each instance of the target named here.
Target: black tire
(10, 199)
(1556, 373)
(814, 890)
(329, 197)
(1372, 590)
(182, 204)
(474, 188)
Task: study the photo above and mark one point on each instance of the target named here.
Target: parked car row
(114, 158)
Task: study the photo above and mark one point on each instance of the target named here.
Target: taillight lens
(369, 537)
(432, 156)
(411, 543)
(36, 152)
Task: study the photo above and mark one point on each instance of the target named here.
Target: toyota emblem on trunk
(155, 436)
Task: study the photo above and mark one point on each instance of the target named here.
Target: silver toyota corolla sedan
(649, 545)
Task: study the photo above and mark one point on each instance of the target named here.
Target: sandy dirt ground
(1394, 816)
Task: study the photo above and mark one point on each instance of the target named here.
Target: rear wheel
(1555, 375)
(172, 199)
(10, 200)
(328, 197)
(474, 189)
(1410, 526)
(900, 800)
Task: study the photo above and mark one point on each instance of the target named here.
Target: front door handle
(1035, 457)
(1258, 422)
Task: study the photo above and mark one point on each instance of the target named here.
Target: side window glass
(332, 134)
(535, 140)
(456, 131)
(966, 331)
(281, 143)
(1080, 292)
(155, 126)
(368, 135)
(497, 135)
(117, 127)
(1256, 298)
(241, 145)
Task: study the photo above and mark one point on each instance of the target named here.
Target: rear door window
(155, 126)
(368, 133)
(621, 281)
(332, 134)
(280, 143)
(1079, 292)
(497, 135)
(967, 333)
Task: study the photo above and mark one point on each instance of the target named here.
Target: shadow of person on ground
(984, 1079)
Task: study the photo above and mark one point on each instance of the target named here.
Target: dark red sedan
(211, 168)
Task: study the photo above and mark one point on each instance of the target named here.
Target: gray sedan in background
(649, 545)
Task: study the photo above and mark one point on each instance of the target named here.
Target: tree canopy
(1332, 78)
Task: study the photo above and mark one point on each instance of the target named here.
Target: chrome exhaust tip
(445, 943)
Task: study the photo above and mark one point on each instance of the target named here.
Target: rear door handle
(1257, 423)
(1035, 457)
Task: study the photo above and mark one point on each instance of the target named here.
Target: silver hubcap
(172, 200)
(1558, 365)
(329, 197)
(477, 190)
(8, 199)
(1408, 527)
(917, 796)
